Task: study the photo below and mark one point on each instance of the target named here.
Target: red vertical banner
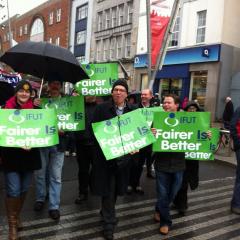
(160, 13)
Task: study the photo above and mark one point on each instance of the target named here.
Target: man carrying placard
(169, 167)
(110, 178)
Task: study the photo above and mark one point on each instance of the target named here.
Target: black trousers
(108, 211)
(84, 160)
(137, 163)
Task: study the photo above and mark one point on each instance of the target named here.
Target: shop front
(191, 73)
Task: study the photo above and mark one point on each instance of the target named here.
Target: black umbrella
(41, 58)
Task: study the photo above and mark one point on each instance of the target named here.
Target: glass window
(127, 45)
(99, 50)
(50, 18)
(107, 18)
(37, 31)
(173, 42)
(20, 31)
(105, 49)
(112, 48)
(100, 21)
(119, 47)
(58, 17)
(129, 11)
(25, 29)
(57, 42)
(82, 12)
(170, 85)
(81, 37)
(201, 28)
(198, 87)
(114, 17)
(120, 14)
(81, 59)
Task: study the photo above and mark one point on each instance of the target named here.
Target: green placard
(28, 128)
(149, 112)
(102, 76)
(123, 134)
(209, 155)
(185, 132)
(70, 112)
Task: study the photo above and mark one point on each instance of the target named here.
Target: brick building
(49, 22)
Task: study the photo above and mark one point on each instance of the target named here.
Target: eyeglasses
(119, 90)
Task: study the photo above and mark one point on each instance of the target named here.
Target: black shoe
(81, 198)
(129, 190)
(38, 206)
(108, 234)
(182, 211)
(139, 190)
(54, 214)
(150, 175)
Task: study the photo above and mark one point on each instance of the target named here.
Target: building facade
(47, 22)
(202, 56)
(81, 29)
(114, 34)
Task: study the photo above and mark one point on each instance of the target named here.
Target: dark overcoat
(102, 169)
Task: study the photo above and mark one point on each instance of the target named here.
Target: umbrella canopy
(41, 58)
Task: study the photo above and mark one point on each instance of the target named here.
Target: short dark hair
(175, 98)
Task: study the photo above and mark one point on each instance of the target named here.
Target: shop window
(198, 87)
(170, 86)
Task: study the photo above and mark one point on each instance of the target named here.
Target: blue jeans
(17, 183)
(236, 192)
(167, 186)
(50, 176)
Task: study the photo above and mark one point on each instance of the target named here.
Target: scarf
(12, 104)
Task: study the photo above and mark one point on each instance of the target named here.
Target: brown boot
(12, 206)
(19, 222)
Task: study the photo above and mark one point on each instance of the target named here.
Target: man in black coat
(110, 178)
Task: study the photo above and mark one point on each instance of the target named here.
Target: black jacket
(169, 161)
(102, 170)
(85, 137)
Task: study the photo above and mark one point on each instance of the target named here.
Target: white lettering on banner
(63, 117)
(116, 139)
(96, 91)
(69, 126)
(18, 131)
(91, 83)
(28, 141)
(197, 155)
(181, 145)
(173, 135)
(129, 147)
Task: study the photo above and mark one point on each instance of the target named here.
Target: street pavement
(208, 216)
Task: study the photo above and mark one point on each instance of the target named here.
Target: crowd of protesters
(107, 179)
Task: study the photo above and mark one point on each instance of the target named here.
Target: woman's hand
(154, 131)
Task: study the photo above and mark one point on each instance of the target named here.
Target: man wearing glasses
(110, 178)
